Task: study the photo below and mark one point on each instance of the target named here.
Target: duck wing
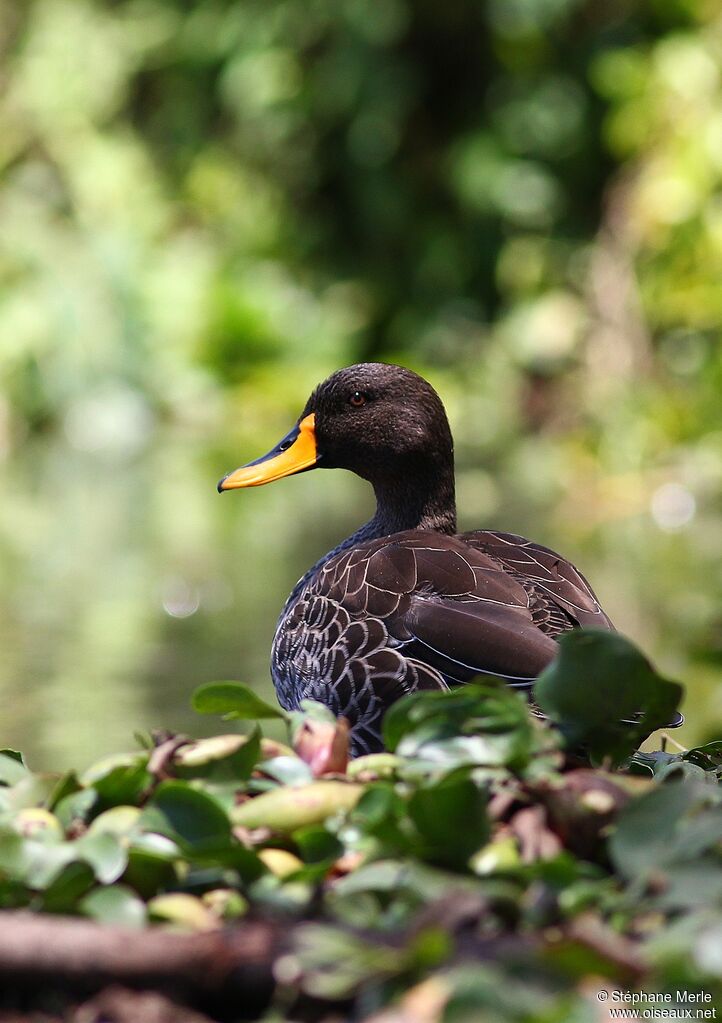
(414, 610)
(458, 609)
(419, 610)
(333, 644)
(560, 598)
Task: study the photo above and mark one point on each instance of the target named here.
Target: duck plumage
(406, 603)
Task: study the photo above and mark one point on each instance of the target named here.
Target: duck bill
(295, 453)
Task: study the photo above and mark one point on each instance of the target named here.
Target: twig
(666, 737)
(82, 955)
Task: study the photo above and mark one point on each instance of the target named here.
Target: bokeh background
(207, 206)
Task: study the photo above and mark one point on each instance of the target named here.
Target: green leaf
(336, 963)
(708, 757)
(184, 911)
(78, 806)
(33, 861)
(424, 882)
(287, 809)
(68, 885)
(151, 864)
(674, 823)
(597, 679)
(692, 885)
(38, 823)
(190, 816)
(160, 846)
(316, 844)
(14, 754)
(451, 819)
(498, 856)
(220, 758)
(13, 894)
(39, 863)
(118, 820)
(12, 852)
(381, 814)
(379, 803)
(287, 770)
(104, 853)
(225, 903)
(310, 710)
(122, 778)
(484, 723)
(234, 701)
(116, 904)
(65, 786)
(384, 876)
(30, 790)
(12, 768)
(373, 766)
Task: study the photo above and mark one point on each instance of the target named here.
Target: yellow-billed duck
(407, 603)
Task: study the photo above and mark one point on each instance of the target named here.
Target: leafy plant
(475, 837)
(604, 694)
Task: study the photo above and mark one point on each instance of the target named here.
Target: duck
(406, 603)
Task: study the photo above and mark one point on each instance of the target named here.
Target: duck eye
(357, 399)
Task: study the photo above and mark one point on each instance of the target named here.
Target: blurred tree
(241, 182)
(209, 205)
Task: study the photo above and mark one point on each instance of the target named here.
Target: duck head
(382, 422)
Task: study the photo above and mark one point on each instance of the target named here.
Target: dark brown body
(406, 603)
(423, 610)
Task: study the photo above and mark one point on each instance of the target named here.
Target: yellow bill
(295, 453)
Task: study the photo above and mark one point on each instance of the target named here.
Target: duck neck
(408, 502)
(427, 503)
(424, 501)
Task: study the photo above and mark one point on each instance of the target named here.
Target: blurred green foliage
(473, 866)
(208, 206)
